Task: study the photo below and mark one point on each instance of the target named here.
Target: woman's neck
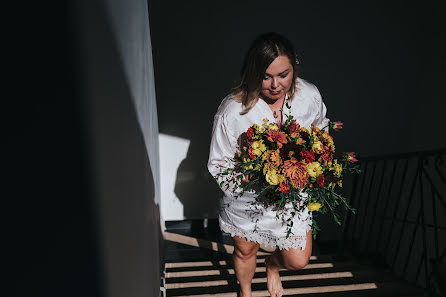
(274, 104)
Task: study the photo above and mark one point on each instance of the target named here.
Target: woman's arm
(222, 149)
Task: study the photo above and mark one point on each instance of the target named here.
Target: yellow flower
(317, 147)
(314, 169)
(245, 165)
(256, 127)
(258, 147)
(273, 178)
(258, 167)
(314, 206)
(336, 167)
(274, 127)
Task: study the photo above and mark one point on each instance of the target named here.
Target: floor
(198, 263)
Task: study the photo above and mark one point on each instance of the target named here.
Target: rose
(273, 178)
(317, 147)
(258, 147)
(314, 169)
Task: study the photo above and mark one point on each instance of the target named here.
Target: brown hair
(262, 52)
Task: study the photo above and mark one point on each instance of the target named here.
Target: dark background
(378, 65)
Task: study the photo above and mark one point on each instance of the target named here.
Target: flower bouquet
(280, 162)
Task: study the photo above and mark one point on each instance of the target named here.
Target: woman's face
(278, 79)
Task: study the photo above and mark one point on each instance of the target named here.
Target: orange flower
(275, 158)
(296, 172)
(276, 136)
(326, 157)
(300, 141)
(284, 188)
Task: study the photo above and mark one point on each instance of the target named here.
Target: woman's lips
(275, 92)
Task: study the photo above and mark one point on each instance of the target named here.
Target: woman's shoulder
(306, 87)
(308, 90)
(229, 107)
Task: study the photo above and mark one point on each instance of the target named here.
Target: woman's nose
(274, 83)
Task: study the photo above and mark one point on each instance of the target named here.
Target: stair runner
(321, 277)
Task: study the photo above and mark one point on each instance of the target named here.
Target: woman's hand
(246, 178)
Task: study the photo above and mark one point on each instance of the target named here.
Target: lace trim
(266, 239)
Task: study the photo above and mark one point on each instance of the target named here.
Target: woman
(268, 86)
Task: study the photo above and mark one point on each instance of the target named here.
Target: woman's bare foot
(274, 284)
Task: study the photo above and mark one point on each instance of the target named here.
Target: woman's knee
(296, 263)
(245, 249)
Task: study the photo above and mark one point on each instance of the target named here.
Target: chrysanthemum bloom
(275, 158)
(336, 125)
(314, 169)
(296, 172)
(314, 206)
(276, 136)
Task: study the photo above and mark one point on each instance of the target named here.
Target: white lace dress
(238, 216)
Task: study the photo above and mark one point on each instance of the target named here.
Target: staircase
(202, 266)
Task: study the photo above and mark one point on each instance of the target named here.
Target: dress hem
(266, 239)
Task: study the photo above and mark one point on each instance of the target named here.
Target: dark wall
(48, 203)
(79, 198)
(378, 65)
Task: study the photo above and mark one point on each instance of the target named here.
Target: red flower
(250, 133)
(284, 188)
(293, 127)
(336, 125)
(308, 156)
(251, 155)
(321, 180)
(351, 157)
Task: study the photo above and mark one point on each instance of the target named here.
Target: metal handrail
(420, 183)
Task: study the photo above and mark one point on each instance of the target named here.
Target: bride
(269, 88)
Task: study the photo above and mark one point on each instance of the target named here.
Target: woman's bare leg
(292, 259)
(244, 256)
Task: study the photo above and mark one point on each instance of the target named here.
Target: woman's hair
(262, 52)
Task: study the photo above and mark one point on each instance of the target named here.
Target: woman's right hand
(246, 178)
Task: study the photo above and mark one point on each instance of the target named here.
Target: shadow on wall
(194, 186)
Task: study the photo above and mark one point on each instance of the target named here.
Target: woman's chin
(272, 98)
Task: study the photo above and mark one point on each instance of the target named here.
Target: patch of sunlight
(173, 150)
